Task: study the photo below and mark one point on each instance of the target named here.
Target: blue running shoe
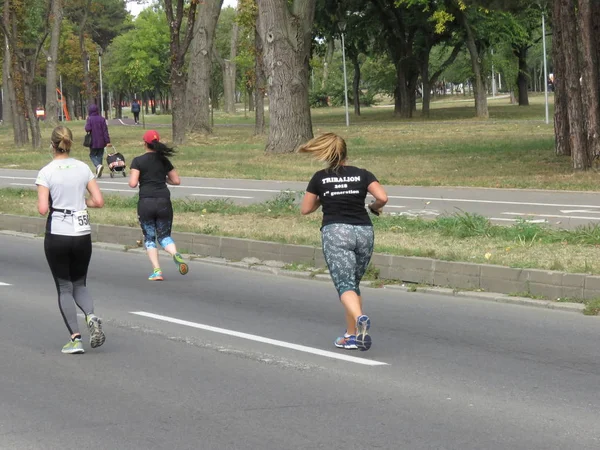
(156, 275)
(348, 341)
(363, 340)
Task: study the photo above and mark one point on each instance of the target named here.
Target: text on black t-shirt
(342, 194)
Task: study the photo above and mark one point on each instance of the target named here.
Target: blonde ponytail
(328, 148)
(62, 139)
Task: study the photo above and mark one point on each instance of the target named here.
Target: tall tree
(179, 46)
(56, 17)
(589, 36)
(199, 72)
(562, 142)
(229, 72)
(255, 82)
(286, 33)
(25, 25)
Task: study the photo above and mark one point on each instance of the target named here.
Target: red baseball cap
(150, 136)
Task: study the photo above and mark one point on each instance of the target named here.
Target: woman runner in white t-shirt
(61, 186)
(347, 231)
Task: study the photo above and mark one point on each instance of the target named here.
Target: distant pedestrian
(61, 186)
(135, 109)
(96, 124)
(152, 171)
(347, 230)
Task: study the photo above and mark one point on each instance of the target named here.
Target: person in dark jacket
(100, 138)
(135, 109)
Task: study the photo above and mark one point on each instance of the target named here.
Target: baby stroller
(116, 162)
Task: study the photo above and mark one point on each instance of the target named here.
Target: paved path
(236, 359)
(557, 208)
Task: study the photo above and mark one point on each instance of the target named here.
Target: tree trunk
(34, 124)
(199, 71)
(260, 88)
(356, 83)
(523, 75)
(402, 104)
(89, 94)
(589, 20)
(178, 95)
(179, 47)
(229, 73)
(287, 42)
(8, 88)
(479, 87)
(562, 146)
(56, 16)
(577, 129)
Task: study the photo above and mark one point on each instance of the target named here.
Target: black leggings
(156, 219)
(69, 259)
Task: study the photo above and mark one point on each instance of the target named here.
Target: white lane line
(131, 191)
(264, 340)
(4, 284)
(556, 216)
(498, 202)
(217, 195)
(584, 211)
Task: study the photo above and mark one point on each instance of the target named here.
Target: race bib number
(81, 221)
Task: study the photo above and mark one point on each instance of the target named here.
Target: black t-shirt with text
(153, 175)
(342, 194)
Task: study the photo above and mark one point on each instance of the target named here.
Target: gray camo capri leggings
(347, 250)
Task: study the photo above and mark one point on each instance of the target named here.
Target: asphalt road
(231, 359)
(504, 206)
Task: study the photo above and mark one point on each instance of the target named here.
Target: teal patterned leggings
(347, 250)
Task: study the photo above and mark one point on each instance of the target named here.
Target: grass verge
(461, 237)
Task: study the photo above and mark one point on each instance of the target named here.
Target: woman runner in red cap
(152, 171)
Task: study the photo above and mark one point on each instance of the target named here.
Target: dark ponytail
(161, 149)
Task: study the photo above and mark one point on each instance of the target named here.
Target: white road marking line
(557, 216)
(17, 178)
(499, 202)
(4, 284)
(264, 340)
(584, 211)
(516, 220)
(217, 195)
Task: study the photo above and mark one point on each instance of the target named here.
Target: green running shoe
(97, 336)
(181, 265)
(74, 346)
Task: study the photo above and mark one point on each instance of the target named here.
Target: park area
(513, 149)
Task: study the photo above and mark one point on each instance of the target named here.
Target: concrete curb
(485, 282)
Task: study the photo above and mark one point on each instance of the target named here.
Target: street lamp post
(342, 26)
(101, 93)
(545, 66)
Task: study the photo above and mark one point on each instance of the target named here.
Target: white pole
(545, 68)
(345, 81)
(62, 101)
(493, 76)
(101, 94)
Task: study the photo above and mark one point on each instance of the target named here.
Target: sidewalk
(406, 274)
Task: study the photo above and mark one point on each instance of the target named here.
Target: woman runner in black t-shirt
(153, 171)
(347, 231)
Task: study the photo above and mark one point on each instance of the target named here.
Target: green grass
(514, 149)
(460, 237)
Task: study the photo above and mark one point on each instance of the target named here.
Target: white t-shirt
(67, 180)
